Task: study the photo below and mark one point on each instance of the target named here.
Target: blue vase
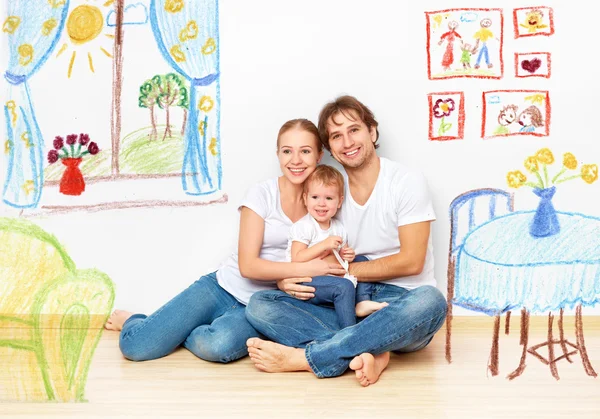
(545, 222)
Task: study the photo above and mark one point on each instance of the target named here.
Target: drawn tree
(148, 97)
(173, 92)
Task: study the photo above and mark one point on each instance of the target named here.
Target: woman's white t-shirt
(263, 199)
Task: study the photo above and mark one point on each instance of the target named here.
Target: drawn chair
(51, 316)
(468, 211)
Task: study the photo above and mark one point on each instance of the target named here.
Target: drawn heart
(531, 65)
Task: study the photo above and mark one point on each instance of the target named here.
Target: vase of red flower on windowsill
(71, 153)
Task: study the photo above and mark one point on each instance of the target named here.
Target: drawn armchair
(468, 211)
(51, 316)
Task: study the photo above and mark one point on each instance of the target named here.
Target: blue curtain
(187, 34)
(33, 30)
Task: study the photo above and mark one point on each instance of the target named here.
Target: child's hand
(333, 242)
(347, 253)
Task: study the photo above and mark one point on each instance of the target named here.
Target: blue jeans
(407, 324)
(483, 52)
(204, 318)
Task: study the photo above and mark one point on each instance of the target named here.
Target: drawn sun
(85, 23)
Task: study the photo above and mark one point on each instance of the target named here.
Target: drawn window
(465, 43)
(515, 112)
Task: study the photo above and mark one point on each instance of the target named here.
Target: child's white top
(264, 199)
(401, 196)
(308, 231)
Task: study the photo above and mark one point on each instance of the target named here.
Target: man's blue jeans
(204, 318)
(407, 324)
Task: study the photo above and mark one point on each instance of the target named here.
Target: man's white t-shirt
(263, 199)
(400, 197)
(308, 231)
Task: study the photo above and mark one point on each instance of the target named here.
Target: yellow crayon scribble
(545, 156)
(569, 161)
(189, 32)
(174, 6)
(213, 146)
(108, 3)
(28, 187)
(61, 50)
(209, 47)
(48, 26)
(206, 104)
(589, 173)
(12, 108)
(56, 3)
(11, 24)
(25, 138)
(25, 54)
(71, 64)
(537, 98)
(84, 24)
(7, 146)
(108, 54)
(91, 62)
(177, 54)
(202, 127)
(516, 179)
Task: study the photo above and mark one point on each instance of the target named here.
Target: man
(387, 213)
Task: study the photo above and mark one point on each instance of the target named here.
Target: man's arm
(414, 239)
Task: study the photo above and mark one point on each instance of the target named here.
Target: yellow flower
(177, 53)
(26, 54)
(209, 47)
(545, 156)
(569, 161)
(11, 24)
(589, 173)
(531, 164)
(516, 179)
(174, 6)
(206, 103)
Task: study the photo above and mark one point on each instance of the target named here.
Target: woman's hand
(294, 287)
(318, 267)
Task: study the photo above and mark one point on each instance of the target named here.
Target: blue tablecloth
(500, 266)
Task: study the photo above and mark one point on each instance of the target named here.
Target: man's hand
(294, 287)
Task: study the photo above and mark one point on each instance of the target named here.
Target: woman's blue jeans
(407, 324)
(204, 318)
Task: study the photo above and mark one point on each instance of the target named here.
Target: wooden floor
(419, 385)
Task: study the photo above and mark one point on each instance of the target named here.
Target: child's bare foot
(273, 357)
(364, 308)
(117, 319)
(368, 368)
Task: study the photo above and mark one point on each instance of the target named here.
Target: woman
(208, 318)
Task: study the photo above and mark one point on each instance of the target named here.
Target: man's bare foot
(364, 308)
(117, 319)
(273, 357)
(368, 368)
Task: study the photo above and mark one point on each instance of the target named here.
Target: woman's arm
(252, 229)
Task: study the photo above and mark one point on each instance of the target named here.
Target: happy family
(332, 271)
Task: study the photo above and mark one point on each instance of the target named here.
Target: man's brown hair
(351, 108)
(302, 125)
(326, 175)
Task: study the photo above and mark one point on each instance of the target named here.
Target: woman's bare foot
(273, 357)
(117, 319)
(368, 368)
(364, 308)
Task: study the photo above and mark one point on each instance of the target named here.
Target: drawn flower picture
(446, 115)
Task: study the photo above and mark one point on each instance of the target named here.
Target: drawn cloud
(134, 14)
(494, 99)
(468, 17)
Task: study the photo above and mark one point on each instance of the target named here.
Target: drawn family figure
(450, 37)
(482, 36)
(530, 119)
(467, 51)
(534, 21)
(506, 117)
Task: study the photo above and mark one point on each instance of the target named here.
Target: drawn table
(501, 267)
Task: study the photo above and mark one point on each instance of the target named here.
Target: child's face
(322, 201)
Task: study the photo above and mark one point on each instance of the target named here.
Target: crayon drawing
(539, 261)
(446, 116)
(465, 43)
(533, 21)
(532, 64)
(515, 112)
(172, 131)
(51, 316)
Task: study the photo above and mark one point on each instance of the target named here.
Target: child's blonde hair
(326, 175)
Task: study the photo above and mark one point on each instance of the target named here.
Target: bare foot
(368, 368)
(364, 308)
(117, 319)
(273, 357)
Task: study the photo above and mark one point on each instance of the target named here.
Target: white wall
(283, 60)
